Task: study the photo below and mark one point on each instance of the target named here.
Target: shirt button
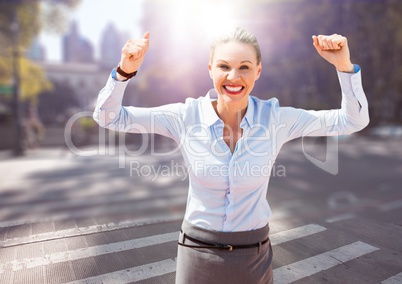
(224, 218)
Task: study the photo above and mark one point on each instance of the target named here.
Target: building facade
(76, 48)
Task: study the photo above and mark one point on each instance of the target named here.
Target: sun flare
(207, 18)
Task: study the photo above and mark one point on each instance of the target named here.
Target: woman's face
(234, 70)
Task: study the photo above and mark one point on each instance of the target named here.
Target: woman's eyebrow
(244, 61)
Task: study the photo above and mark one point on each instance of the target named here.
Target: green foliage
(54, 14)
(27, 19)
(20, 22)
(33, 80)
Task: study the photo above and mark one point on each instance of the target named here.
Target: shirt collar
(209, 116)
(249, 112)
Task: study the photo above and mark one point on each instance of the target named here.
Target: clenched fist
(133, 53)
(334, 48)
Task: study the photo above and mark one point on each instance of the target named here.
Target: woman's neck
(230, 113)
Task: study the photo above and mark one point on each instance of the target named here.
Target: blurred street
(76, 206)
(71, 219)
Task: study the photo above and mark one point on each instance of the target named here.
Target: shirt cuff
(114, 77)
(356, 68)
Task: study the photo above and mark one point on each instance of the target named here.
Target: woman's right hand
(133, 53)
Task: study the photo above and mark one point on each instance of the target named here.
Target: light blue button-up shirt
(227, 191)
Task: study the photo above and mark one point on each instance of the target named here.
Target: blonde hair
(239, 35)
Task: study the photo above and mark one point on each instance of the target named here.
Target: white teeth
(233, 89)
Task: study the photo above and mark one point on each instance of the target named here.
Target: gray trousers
(210, 265)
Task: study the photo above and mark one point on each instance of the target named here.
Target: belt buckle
(228, 247)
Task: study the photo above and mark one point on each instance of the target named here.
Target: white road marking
(340, 217)
(282, 275)
(396, 279)
(88, 252)
(276, 239)
(390, 206)
(280, 214)
(295, 233)
(309, 266)
(132, 274)
(89, 230)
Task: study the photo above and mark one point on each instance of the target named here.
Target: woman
(229, 141)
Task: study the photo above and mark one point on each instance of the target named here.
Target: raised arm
(109, 112)
(353, 114)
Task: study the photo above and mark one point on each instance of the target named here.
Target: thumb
(315, 40)
(146, 35)
(316, 43)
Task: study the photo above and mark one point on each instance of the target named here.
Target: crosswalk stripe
(89, 252)
(276, 239)
(393, 280)
(298, 270)
(340, 217)
(295, 233)
(132, 274)
(89, 230)
(282, 275)
(396, 204)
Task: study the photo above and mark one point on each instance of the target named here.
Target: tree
(30, 16)
(20, 22)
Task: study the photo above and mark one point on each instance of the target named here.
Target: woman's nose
(232, 74)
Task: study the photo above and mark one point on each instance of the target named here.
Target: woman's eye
(243, 67)
(223, 66)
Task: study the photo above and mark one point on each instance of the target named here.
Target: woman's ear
(259, 69)
(210, 70)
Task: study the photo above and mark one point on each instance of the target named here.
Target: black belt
(219, 246)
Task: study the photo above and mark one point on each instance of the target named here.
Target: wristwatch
(124, 74)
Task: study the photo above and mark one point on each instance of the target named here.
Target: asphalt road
(72, 219)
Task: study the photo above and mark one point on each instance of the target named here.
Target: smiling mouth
(233, 90)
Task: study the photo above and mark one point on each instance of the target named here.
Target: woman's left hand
(334, 48)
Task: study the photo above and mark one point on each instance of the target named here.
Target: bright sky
(210, 17)
(92, 17)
